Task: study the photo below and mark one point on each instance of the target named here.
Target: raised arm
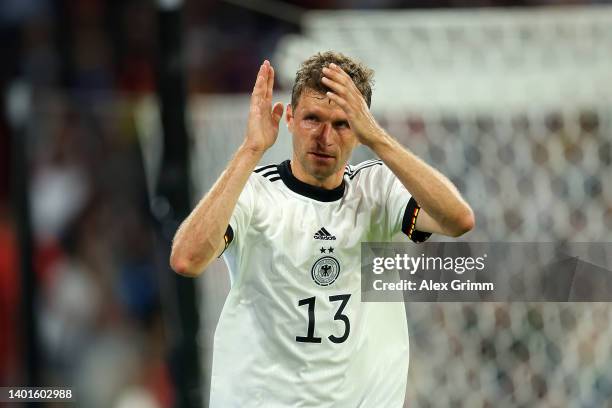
(200, 238)
(443, 210)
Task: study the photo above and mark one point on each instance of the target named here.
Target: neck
(329, 183)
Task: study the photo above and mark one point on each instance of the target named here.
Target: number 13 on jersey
(310, 337)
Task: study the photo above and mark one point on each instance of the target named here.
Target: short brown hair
(310, 72)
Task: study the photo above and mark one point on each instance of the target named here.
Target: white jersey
(293, 331)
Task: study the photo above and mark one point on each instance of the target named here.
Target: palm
(262, 128)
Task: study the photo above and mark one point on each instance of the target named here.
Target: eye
(341, 125)
(310, 121)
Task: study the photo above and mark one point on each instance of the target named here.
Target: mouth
(321, 156)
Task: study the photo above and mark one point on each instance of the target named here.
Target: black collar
(307, 190)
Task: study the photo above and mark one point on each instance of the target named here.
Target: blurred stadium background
(511, 100)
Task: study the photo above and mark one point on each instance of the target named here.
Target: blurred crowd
(98, 303)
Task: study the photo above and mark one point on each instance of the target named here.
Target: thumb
(277, 112)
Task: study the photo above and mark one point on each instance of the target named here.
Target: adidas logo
(324, 235)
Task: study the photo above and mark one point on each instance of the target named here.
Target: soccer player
(293, 331)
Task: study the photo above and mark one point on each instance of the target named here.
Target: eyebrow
(312, 112)
(317, 112)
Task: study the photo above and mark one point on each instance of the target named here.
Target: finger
(349, 90)
(339, 70)
(335, 86)
(346, 78)
(259, 90)
(339, 100)
(340, 74)
(270, 85)
(277, 112)
(335, 75)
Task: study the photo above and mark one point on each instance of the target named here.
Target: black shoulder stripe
(378, 163)
(228, 238)
(353, 169)
(372, 161)
(270, 173)
(366, 163)
(269, 166)
(409, 222)
(273, 179)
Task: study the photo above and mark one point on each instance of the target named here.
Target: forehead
(315, 102)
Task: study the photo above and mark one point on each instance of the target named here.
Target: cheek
(299, 142)
(349, 141)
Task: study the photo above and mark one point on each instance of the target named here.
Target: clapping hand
(263, 121)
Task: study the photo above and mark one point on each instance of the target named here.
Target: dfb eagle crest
(325, 271)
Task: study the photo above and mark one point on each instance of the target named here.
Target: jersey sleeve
(401, 209)
(241, 217)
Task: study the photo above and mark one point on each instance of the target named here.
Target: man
(293, 331)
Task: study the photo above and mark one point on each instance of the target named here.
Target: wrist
(254, 151)
(381, 142)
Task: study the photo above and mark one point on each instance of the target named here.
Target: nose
(325, 134)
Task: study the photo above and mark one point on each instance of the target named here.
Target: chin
(321, 172)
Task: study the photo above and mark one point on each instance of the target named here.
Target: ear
(289, 117)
